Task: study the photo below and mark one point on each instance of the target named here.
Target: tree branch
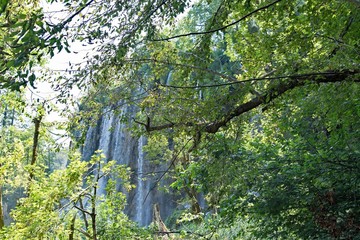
(224, 76)
(255, 102)
(296, 76)
(71, 17)
(356, 2)
(82, 210)
(150, 128)
(172, 163)
(342, 34)
(179, 232)
(221, 28)
(273, 93)
(84, 232)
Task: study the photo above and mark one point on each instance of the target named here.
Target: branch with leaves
(270, 95)
(221, 28)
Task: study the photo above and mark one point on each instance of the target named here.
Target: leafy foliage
(248, 90)
(51, 208)
(254, 104)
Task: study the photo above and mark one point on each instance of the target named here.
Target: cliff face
(110, 136)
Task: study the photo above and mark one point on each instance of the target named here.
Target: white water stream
(111, 136)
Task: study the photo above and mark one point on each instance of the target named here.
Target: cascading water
(110, 136)
(104, 145)
(139, 195)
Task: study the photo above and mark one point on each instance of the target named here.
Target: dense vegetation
(253, 104)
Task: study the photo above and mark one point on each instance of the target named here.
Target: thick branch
(296, 76)
(221, 28)
(255, 102)
(273, 93)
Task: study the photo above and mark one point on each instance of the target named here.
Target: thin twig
(218, 29)
(167, 170)
(296, 76)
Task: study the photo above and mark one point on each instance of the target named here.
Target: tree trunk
(37, 122)
(72, 228)
(160, 225)
(93, 204)
(1, 210)
(4, 117)
(195, 206)
(12, 117)
(84, 215)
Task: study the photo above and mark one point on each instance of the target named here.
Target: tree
(24, 149)
(67, 204)
(279, 53)
(233, 87)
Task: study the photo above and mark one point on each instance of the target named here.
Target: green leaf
(3, 4)
(31, 80)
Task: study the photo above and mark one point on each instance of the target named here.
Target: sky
(58, 64)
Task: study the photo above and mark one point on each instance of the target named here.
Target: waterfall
(104, 145)
(168, 79)
(140, 183)
(112, 137)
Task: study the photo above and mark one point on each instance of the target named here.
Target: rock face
(110, 136)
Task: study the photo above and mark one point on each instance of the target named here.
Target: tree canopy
(257, 101)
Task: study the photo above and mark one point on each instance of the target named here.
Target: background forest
(251, 106)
